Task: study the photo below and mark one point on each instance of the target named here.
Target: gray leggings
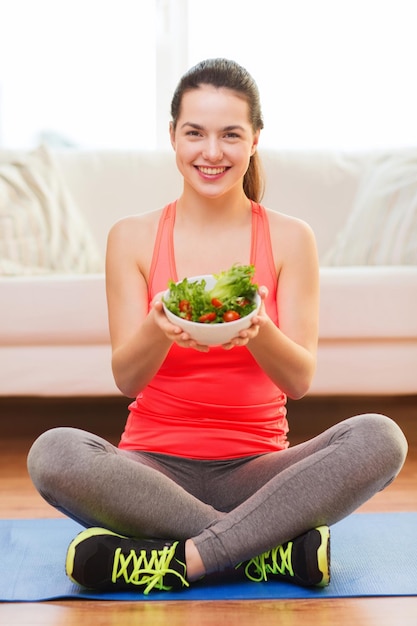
(232, 509)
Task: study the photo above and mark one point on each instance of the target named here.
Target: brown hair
(231, 75)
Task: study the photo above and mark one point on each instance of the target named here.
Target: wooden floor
(22, 420)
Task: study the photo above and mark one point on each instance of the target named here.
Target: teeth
(212, 170)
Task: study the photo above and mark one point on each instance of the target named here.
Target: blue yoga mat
(373, 554)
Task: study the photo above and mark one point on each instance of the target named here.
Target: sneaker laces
(147, 569)
(275, 561)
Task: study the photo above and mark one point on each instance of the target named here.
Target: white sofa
(53, 326)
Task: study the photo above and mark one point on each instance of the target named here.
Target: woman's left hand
(257, 322)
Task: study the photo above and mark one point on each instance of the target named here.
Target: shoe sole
(82, 536)
(323, 555)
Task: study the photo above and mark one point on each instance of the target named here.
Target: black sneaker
(304, 561)
(100, 559)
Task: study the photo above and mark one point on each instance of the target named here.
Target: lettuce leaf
(233, 291)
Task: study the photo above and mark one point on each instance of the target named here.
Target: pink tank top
(215, 405)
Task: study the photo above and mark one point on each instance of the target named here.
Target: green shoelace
(275, 561)
(142, 569)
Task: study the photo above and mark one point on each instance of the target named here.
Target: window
(77, 72)
(333, 74)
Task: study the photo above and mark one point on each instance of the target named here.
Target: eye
(232, 135)
(193, 133)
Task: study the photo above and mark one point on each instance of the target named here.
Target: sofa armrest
(50, 310)
(368, 302)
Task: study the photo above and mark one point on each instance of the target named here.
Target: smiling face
(213, 140)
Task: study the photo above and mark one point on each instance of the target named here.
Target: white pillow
(41, 229)
(382, 227)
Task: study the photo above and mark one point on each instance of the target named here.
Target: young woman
(204, 481)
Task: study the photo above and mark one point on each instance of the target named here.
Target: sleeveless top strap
(262, 258)
(163, 260)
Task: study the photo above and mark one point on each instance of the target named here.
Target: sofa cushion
(41, 229)
(382, 226)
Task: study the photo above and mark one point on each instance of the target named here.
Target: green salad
(232, 297)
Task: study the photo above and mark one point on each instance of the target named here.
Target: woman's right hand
(172, 332)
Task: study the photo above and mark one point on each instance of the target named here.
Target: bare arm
(140, 337)
(288, 353)
(139, 346)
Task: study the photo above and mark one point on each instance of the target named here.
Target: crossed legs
(229, 511)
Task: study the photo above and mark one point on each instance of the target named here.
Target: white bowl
(212, 334)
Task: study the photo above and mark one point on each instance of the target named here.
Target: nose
(212, 150)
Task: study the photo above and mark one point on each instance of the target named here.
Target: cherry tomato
(184, 306)
(216, 302)
(231, 316)
(207, 317)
